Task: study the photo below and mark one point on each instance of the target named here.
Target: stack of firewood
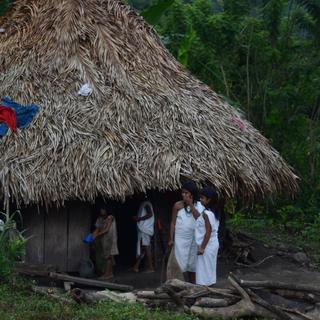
(276, 300)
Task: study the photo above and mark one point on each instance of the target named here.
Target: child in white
(206, 234)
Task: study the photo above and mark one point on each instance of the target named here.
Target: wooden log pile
(243, 298)
(274, 300)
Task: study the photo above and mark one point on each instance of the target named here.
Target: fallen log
(52, 293)
(298, 295)
(238, 310)
(279, 285)
(91, 282)
(195, 290)
(173, 295)
(89, 296)
(179, 285)
(272, 308)
(211, 303)
(151, 295)
(247, 293)
(300, 314)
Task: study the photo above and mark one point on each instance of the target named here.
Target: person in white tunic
(182, 230)
(206, 234)
(145, 229)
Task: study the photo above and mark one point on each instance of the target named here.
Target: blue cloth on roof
(3, 129)
(25, 114)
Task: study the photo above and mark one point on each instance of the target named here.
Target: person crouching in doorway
(145, 229)
(206, 234)
(105, 238)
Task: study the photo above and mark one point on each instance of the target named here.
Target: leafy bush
(12, 245)
(311, 231)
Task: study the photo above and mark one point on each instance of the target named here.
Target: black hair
(108, 207)
(192, 188)
(211, 193)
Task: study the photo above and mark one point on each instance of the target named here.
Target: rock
(281, 247)
(300, 257)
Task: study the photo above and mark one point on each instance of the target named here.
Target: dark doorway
(127, 230)
(126, 226)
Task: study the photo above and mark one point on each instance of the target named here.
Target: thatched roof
(147, 124)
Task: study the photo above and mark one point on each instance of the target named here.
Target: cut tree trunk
(279, 285)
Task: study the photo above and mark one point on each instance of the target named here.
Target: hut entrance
(127, 231)
(127, 227)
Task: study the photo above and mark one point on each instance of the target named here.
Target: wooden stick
(242, 292)
(173, 295)
(300, 295)
(265, 304)
(253, 265)
(246, 292)
(302, 315)
(222, 292)
(92, 283)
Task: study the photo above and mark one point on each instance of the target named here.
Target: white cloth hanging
(85, 90)
(206, 266)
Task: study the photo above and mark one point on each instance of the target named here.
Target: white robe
(145, 227)
(206, 266)
(185, 247)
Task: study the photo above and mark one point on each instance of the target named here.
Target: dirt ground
(279, 267)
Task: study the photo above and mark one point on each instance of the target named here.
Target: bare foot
(148, 271)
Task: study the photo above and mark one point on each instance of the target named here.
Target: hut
(139, 123)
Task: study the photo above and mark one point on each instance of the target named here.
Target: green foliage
(185, 46)
(4, 5)
(263, 56)
(154, 13)
(12, 245)
(290, 225)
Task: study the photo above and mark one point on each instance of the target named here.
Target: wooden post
(222, 226)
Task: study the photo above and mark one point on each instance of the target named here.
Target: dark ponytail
(211, 193)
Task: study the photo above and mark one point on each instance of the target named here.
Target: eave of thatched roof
(147, 124)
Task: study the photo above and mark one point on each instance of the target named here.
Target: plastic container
(88, 239)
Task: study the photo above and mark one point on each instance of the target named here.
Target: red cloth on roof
(8, 116)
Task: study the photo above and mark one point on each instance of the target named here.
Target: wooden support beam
(91, 283)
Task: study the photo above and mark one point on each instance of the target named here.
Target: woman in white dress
(206, 234)
(182, 230)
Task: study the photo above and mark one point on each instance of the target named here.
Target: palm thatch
(147, 124)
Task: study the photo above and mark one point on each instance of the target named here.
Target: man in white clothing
(145, 226)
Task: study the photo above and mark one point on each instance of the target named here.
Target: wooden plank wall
(56, 235)
(33, 223)
(79, 227)
(56, 238)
